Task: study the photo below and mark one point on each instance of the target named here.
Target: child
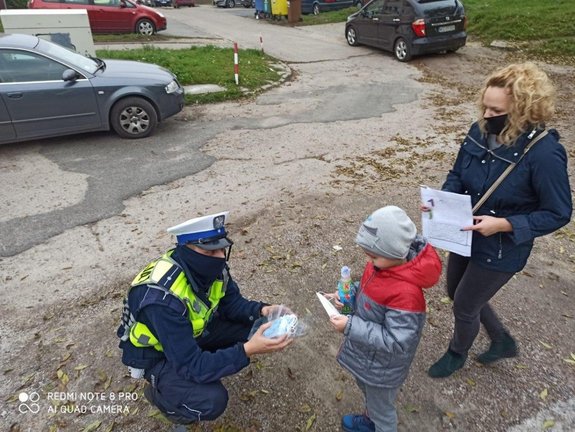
(382, 334)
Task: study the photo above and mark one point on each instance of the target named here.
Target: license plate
(445, 29)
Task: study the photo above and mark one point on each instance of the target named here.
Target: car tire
(402, 50)
(315, 9)
(133, 117)
(145, 27)
(231, 4)
(351, 36)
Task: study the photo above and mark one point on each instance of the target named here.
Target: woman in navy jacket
(532, 201)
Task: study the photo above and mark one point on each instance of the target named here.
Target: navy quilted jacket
(535, 197)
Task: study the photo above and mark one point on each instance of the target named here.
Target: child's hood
(423, 266)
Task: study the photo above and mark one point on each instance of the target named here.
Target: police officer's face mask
(496, 124)
(205, 268)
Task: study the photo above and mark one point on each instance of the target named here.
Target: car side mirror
(70, 75)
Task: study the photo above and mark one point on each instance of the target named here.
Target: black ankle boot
(505, 347)
(446, 365)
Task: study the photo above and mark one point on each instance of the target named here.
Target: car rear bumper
(435, 44)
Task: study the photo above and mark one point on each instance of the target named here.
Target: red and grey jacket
(382, 335)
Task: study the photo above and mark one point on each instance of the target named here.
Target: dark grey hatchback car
(409, 27)
(47, 90)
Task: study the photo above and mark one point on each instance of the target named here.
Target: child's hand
(339, 322)
(334, 298)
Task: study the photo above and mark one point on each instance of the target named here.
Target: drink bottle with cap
(346, 290)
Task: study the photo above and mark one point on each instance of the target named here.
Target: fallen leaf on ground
(546, 345)
(549, 423)
(92, 426)
(310, 422)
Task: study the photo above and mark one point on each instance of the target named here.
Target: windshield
(70, 57)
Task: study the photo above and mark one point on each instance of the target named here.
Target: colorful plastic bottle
(346, 290)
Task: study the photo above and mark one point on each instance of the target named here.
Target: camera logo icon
(28, 402)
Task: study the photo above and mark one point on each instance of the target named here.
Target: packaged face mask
(285, 324)
(283, 321)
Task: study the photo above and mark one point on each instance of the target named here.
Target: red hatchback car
(111, 16)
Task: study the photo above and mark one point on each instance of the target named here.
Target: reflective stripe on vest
(199, 313)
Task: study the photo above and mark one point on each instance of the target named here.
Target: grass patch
(328, 17)
(547, 25)
(208, 65)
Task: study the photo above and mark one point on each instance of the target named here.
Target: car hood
(133, 69)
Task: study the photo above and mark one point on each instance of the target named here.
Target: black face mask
(204, 269)
(495, 125)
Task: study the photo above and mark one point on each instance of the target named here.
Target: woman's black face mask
(496, 124)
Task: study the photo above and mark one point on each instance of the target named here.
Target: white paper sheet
(442, 225)
(329, 308)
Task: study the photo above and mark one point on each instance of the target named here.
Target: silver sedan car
(47, 90)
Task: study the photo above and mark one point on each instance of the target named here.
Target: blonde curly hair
(532, 99)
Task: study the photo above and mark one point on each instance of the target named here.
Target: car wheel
(133, 117)
(315, 9)
(145, 27)
(231, 4)
(402, 50)
(351, 36)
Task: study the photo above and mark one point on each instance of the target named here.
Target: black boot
(446, 365)
(504, 347)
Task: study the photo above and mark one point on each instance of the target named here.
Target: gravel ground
(298, 201)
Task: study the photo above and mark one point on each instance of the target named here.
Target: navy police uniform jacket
(165, 317)
(535, 197)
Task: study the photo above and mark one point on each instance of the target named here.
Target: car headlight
(172, 87)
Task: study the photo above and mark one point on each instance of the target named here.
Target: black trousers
(187, 402)
(471, 287)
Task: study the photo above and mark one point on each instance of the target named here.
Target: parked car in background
(249, 3)
(47, 90)
(409, 27)
(317, 6)
(225, 3)
(111, 16)
(179, 3)
(162, 3)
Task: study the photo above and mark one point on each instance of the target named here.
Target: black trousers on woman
(471, 287)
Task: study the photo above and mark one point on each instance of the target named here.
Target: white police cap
(206, 232)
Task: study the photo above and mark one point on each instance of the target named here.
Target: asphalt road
(63, 183)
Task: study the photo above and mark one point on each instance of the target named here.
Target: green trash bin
(267, 8)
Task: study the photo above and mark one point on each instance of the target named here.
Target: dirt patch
(283, 254)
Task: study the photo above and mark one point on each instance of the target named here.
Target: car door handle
(15, 95)
(396, 20)
(375, 19)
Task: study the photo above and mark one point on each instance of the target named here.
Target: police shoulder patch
(160, 272)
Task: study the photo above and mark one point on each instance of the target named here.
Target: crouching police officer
(185, 324)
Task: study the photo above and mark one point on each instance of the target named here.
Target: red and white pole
(236, 65)
(261, 42)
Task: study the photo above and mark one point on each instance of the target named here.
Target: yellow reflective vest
(167, 275)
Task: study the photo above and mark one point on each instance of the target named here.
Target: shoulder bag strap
(505, 173)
